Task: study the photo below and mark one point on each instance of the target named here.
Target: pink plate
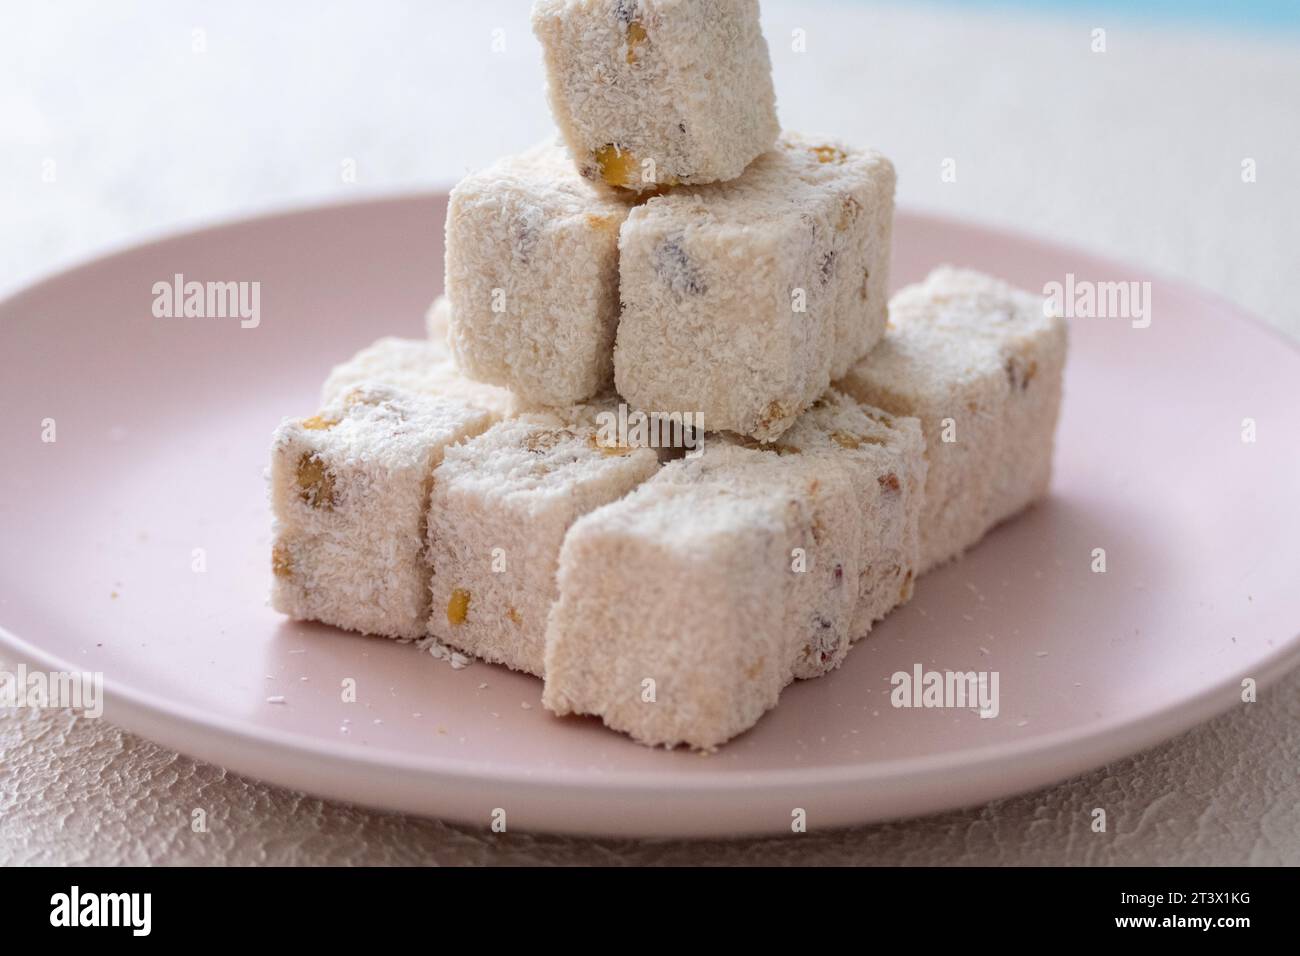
(162, 428)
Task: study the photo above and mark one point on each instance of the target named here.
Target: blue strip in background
(1232, 14)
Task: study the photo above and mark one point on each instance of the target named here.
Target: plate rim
(1209, 703)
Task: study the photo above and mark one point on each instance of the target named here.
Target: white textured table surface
(127, 121)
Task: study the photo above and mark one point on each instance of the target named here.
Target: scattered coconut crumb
(525, 705)
(275, 700)
(441, 652)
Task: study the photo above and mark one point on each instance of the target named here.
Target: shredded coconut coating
(500, 508)
(532, 278)
(420, 366)
(885, 455)
(651, 93)
(979, 361)
(349, 492)
(744, 300)
(728, 575)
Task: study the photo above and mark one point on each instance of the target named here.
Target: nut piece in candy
(281, 561)
(773, 413)
(1020, 372)
(828, 154)
(609, 451)
(847, 440)
(636, 35)
(315, 482)
(546, 439)
(618, 167)
(850, 209)
(458, 607)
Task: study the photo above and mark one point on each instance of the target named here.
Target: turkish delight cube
(532, 278)
(350, 493)
(653, 93)
(980, 363)
(501, 505)
(688, 605)
(744, 300)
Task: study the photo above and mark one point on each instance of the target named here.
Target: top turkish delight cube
(652, 93)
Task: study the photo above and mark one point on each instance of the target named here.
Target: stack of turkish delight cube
(675, 264)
